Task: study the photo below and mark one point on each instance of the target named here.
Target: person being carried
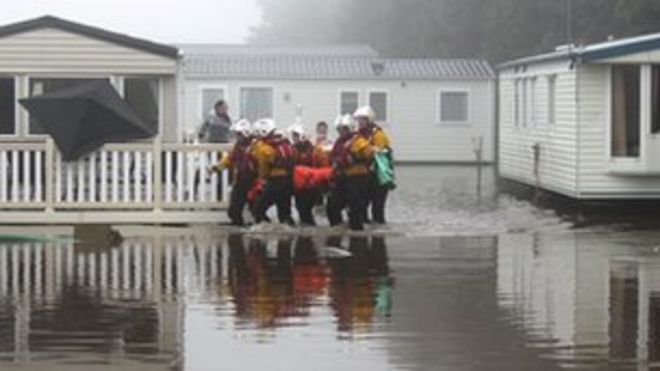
(304, 157)
(351, 156)
(322, 146)
(377, 137)
(275, 160)
(241, 162)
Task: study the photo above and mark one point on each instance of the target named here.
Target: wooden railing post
(50, 167)
(158, 173)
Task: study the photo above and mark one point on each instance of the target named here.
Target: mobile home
(436, 110)
(584, 121)
(49, 53)
(122, 182)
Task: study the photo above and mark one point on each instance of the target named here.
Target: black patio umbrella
(82, 118)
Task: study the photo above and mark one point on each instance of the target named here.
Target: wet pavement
(456, 283)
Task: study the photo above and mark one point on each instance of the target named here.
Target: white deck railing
(145, 176)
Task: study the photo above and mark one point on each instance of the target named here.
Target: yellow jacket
(265, 156)
(321, 156)
(363, 153)
(224, 163)
(239, 169)
(380, 139)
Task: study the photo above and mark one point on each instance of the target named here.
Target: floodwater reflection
(544, 301)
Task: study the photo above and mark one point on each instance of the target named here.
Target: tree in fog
(491, 29)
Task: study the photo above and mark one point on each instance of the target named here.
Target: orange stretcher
(309, 178)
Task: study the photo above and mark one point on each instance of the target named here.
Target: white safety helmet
(266, 127)
(242, 127)
(256, 129)
(296, 129)
(365, 112)
(344, 121)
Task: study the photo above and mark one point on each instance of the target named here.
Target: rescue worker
(240, 161)
(304, 156)
(367, 127)
(350, 157)
(274, 157)
(257, 186)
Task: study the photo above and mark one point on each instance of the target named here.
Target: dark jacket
(216, 129)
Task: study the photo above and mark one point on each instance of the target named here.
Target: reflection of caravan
(593, 301)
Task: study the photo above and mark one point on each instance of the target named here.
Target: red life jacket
(341, 155)
(241, 158)
(285, 155)
(304, 153)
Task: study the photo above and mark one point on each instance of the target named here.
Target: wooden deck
(147, 182)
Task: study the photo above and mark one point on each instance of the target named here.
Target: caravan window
(625, 111)
(655, 99)
(209, 97)
(40, 86)
(143, 94)
(256, 103)
(348, 102)
(378, 101)
(516, 103)
(552, 88)
(532, 101)
(7, 106)
(454, 107)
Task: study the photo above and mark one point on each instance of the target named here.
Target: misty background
(496, 30)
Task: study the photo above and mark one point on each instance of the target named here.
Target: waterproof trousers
(278, 192)
(349, 192)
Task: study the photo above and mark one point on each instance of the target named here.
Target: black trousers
(305, 201)
(277, 191)
(237, 202)
(351, 192)
(377, 200)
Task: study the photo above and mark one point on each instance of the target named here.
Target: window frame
(387, 102)
(161, 96)
(524, 92)
(515, 103)
(200, 97)
(609, 96)
(468, 108)
(256, 86)
(339, 101)
(17, 92)
(533, 101)
(551, 104)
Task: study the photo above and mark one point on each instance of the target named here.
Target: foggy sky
(168, 21)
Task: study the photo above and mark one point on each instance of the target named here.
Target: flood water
(455, 284)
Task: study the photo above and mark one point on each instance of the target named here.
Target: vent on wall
(378, 68)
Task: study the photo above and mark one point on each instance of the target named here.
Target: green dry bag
(385, 169)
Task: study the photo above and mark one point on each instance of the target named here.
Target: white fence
(162, 182)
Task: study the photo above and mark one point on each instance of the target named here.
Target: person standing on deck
(216, 128)
(377, 137)
(351, 156)
(217, 124)
(240, 160)
(304, 156)
(274, 158)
